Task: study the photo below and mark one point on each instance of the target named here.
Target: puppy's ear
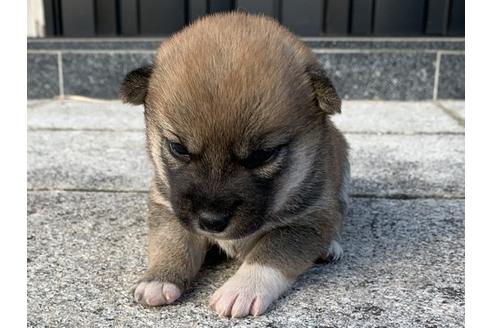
(134, 87)
(324, 91)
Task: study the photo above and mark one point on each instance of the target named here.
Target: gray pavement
(403, 240)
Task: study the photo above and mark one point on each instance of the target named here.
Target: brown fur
(224, 87)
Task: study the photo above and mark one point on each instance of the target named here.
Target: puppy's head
(233, 124)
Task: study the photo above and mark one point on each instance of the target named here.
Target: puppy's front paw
(155, 293)
(333, 253)
(239, 300)
(250, 291)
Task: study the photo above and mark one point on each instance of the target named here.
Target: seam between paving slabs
(60, 75)
(310, 38)
(395, 196)
(90, 100)
(436, 75)
(135, 191)
(84, 129)
(450, 113)
(381, 133)
(314, 50)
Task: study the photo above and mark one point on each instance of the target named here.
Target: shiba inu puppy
(245, 155)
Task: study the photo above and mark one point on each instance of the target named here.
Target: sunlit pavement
(88, 174)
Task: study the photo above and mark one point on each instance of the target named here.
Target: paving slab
(87, 160)
(451, 76)
(395, 117)
(42, 70)
(401, 165)
(357, 116)
(99, 75)
(403, 267)
(96, 115)
(381, 164)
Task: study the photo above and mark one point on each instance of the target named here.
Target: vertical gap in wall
(450, 12)
(349, 19)
(186, 12)
(94, 14)
(373, 16)
(279, 8)
(436, 76)
(58, 17)
(424, 18)
(324, 13)
(118, 16)
(139, 27)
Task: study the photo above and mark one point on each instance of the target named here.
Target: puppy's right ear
(134, 87)
(324, 91)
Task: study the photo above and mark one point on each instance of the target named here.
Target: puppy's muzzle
(213, 222)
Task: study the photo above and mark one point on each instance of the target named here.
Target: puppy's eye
(260, 157)
(179, 151)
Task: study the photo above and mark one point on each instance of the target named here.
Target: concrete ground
(403, 241)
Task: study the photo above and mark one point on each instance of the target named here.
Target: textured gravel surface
(403, 264)
(403, 239)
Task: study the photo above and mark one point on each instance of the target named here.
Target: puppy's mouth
(230, 232)
(213, 235)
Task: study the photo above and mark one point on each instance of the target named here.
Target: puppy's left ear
(324, 91)
(134, 87)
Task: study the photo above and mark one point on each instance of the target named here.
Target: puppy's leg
(269, 270)
(175, 256)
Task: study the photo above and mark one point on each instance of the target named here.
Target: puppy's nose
(213, 222)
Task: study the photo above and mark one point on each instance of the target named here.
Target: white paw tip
(249, 292)
(259, 307)
(335, 251)
(155, 293)
(171, 292)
